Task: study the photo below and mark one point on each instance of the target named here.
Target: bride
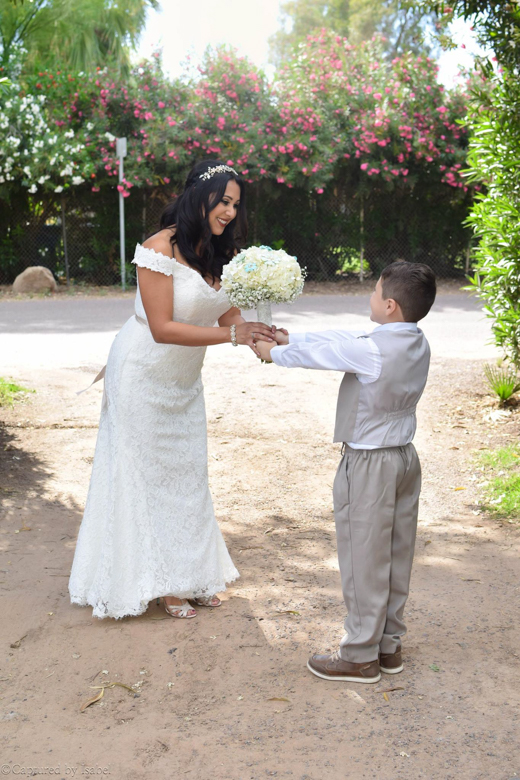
(149, 529)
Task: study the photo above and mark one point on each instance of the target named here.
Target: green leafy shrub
(494, 159)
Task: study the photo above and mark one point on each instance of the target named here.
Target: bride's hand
(251, 332)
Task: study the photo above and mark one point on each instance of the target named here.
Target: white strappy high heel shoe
(178, 610)
(207, 601)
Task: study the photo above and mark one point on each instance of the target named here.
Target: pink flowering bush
(347, 108)
(147, 110)
(232, 116)
(338, 123)
(334, 109)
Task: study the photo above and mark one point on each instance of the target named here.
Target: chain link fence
(340, 234)
(77, 238)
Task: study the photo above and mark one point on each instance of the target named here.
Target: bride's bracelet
(233, 331)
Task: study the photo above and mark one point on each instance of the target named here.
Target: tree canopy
(403, 23)
(74, 34)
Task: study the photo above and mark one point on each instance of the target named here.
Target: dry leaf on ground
(93, 700)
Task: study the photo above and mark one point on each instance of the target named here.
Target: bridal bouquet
(260, 276)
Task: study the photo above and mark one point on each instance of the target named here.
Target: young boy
(378, 481)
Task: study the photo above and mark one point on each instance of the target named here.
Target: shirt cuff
(276, 354)
(296, 338)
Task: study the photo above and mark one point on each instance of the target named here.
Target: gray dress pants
(376, 500)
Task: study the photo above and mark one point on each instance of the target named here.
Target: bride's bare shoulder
(161, 242)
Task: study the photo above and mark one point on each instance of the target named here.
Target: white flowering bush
(21, 122)
(34, 151)
(262, 275)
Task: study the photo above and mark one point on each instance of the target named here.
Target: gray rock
(36, 279)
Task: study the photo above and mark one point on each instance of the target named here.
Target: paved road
(78, 331)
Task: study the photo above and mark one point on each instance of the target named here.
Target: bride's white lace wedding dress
(149, 528)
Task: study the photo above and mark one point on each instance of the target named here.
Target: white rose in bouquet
(260, 276)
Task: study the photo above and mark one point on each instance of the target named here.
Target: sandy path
(226, 696)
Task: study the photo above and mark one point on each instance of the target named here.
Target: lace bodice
(194, 301)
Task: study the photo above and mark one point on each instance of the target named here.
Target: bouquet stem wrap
(263, 312)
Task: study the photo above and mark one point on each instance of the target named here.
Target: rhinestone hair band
(217, 169)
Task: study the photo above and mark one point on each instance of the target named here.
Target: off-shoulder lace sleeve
(155, 261)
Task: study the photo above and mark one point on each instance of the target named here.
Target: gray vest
(382, 413)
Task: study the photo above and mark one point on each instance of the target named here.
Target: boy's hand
(264, 350)
(282, 336)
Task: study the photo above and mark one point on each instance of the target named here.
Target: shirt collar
(398, 326)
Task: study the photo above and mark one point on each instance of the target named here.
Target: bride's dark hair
(189, 214)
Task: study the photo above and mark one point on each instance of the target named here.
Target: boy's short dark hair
(412, 285)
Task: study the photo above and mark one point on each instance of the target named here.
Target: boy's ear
(391, 306)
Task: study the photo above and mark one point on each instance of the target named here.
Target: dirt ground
(227, 696)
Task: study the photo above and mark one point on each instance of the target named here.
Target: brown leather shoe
(391, 663)
(332, 667)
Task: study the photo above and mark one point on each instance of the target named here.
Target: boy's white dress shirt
(339, 350)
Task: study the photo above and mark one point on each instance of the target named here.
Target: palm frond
(75, 34)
